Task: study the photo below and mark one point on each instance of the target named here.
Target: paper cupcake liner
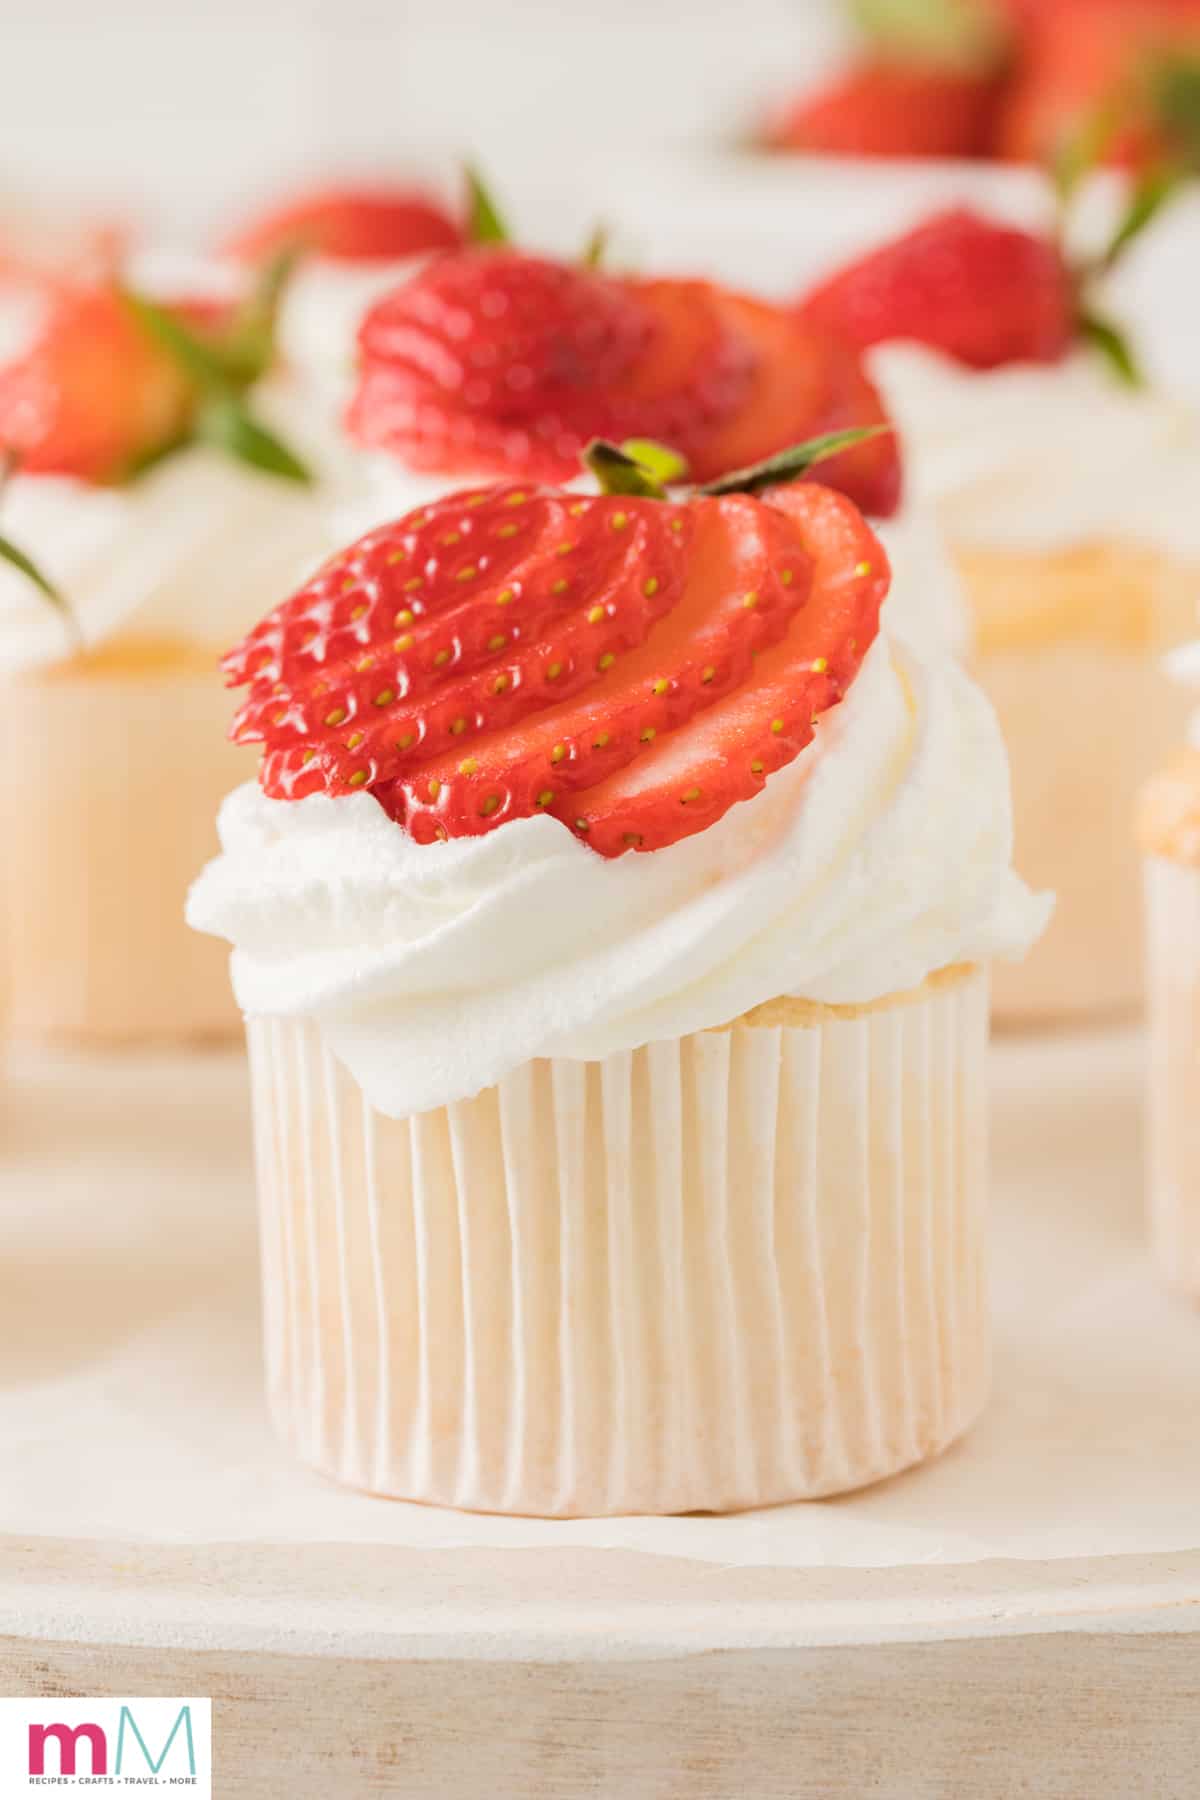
(1088, 715)
(110, 786)
(739, 1267)
(1173, 1100)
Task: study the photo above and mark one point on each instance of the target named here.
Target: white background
(184, 105)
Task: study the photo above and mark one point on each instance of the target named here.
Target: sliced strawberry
(697, 367)
(892, 108)
(387, 412)
(612, 569)
(982, 292)
(748, 576)
(408, 584)
(696, 772)
(349, 225)
(805, 383)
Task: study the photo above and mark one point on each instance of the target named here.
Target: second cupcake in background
(151, 509)
(1066, 492)
(612, 925)
(494, 361)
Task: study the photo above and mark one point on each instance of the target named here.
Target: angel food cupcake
(115, 593)
(1169, 832)
(1067, 495)
(492, 362)
(611, 922)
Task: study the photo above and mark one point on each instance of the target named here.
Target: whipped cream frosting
(882, 854)
(324, 306)
(1033, 457)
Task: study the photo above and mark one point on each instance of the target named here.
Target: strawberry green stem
(789, 465)
(485, 222)
(16, 557)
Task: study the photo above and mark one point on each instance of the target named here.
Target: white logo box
(79, 1744)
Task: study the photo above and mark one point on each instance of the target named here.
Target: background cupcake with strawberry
(150, 504)
(1065, 486)
(611, 919)
(491, 360)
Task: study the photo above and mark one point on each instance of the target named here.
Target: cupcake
(1065, 491)
(1169, 833)
(116, 593)
(612, 921)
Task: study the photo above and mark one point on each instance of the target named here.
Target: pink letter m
(68, 1742)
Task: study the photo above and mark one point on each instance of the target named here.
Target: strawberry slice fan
(631, 663)
(494, 360)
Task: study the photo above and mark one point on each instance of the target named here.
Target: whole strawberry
(349, 224)
(112, 382)
(984, 293)
(629, 664)
(95, 392)
(892, 108)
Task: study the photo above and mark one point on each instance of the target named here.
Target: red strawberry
(352, 224)
(492, 360)
(514, 363)
(633, 665)
(982, 292)
(886, 108)
(94, 394)
(692, 776)
(805, 383)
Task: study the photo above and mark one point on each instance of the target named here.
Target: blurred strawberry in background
(349, 224)
(927, 82)
(887, 107)
(1010, 79)
(1138, 60)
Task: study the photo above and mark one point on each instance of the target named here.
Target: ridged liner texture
(736, 1268)
(1173, 1100)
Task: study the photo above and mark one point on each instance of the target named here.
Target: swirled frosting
(880, 856)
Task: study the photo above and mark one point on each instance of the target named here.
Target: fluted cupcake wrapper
(739, 1267)
(1173, 1109)
(109, 787)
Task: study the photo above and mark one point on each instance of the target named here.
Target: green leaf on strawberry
(1174, 84)
(485, 222)
(596, 248)
(16, 557)
(221, 367)
(948, 34)
(226, 423)
(1112, 344)
(790, 465)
